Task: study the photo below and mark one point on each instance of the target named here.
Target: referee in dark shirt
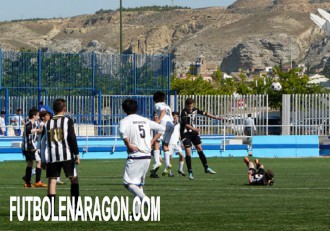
(60, 149)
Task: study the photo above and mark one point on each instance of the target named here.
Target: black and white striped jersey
(30, 137)
(59, 142)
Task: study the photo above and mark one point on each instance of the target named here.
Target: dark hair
(41, 103)
(33, 112)
(42, 114)
(130, 106)
(19, 110)
(189, 101)
(269, 174)
(249, 115)
(159, 96)
(175, 113)
(59, 105)
(3, 112)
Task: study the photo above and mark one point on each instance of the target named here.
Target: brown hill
(266, 29)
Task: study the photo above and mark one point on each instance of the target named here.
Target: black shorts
(29, 155)
(261, 171)
(191, 137)
(54, 169)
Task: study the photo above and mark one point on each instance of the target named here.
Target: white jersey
(175, 138)
(137, 129)
(167, 118)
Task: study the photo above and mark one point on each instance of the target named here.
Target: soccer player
(174, 145)
(135, 132)
(164, 113)
(190, 134)
(60, 150)
(155, 152)
(258, 176)
(31, 151)
(45, 116)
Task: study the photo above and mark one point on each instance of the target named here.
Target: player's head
(3, 113)
(159, 96)
(249, 115)
(33, 113)
(59, 105)
(19, 111)
(130, 106)
(44, 115)
(155, 116)
(175, 115)
(189, 104)
(269, 175)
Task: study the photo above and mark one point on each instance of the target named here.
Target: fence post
(39, 74)
(134, 73)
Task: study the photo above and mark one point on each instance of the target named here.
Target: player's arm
(72, 140)
(122, 131)
(160, 131)
(250, 176)
(204, 113)
(162, 113)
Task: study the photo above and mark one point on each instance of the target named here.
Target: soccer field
(298, 200)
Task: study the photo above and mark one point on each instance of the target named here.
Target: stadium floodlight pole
(121, 26)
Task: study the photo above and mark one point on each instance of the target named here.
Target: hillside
(249, 33)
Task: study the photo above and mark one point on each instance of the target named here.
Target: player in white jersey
(175, 144)
(155, 149)
(164, 113)
(258, 175)
(135, 132)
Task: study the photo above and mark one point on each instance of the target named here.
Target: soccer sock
(75, 193)
(28, 172)
(38, 174)
(167, 159)
(188, 162)
(137, 192)
(181, 163)
(52, 198)
(156, 157)
(202, 157)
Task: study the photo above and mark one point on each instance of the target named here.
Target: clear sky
(24, 9)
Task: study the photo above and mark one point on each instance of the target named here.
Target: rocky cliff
(249, 33)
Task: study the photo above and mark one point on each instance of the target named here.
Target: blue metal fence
(39, 76)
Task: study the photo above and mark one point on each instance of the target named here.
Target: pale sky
(25, 9)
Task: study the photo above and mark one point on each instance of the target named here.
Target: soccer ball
(276, 86)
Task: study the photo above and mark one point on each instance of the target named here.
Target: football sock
(188, 162)
(52, 198)
(137, 192)
(28, 172)
(75, 193)
(181, 163)
(203, 159)
(167, 159)
(38, 174)
(156, 157)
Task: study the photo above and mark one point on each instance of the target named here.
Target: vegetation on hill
(145, 8)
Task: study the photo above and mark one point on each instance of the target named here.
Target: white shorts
(136, 168)
(168, 132)
(175, 148)
(37, 155)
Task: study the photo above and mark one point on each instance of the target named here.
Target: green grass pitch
(299, 199)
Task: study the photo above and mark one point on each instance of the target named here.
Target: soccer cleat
(60, 182)
(171, 175)
(181, 173)
(154, 175)
(40, 184)
(256, 161)
(28, 185)
(209, 170)
(165, 173)
(191, 177)
(246, 160)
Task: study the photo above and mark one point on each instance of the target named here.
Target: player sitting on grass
(258, 175)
